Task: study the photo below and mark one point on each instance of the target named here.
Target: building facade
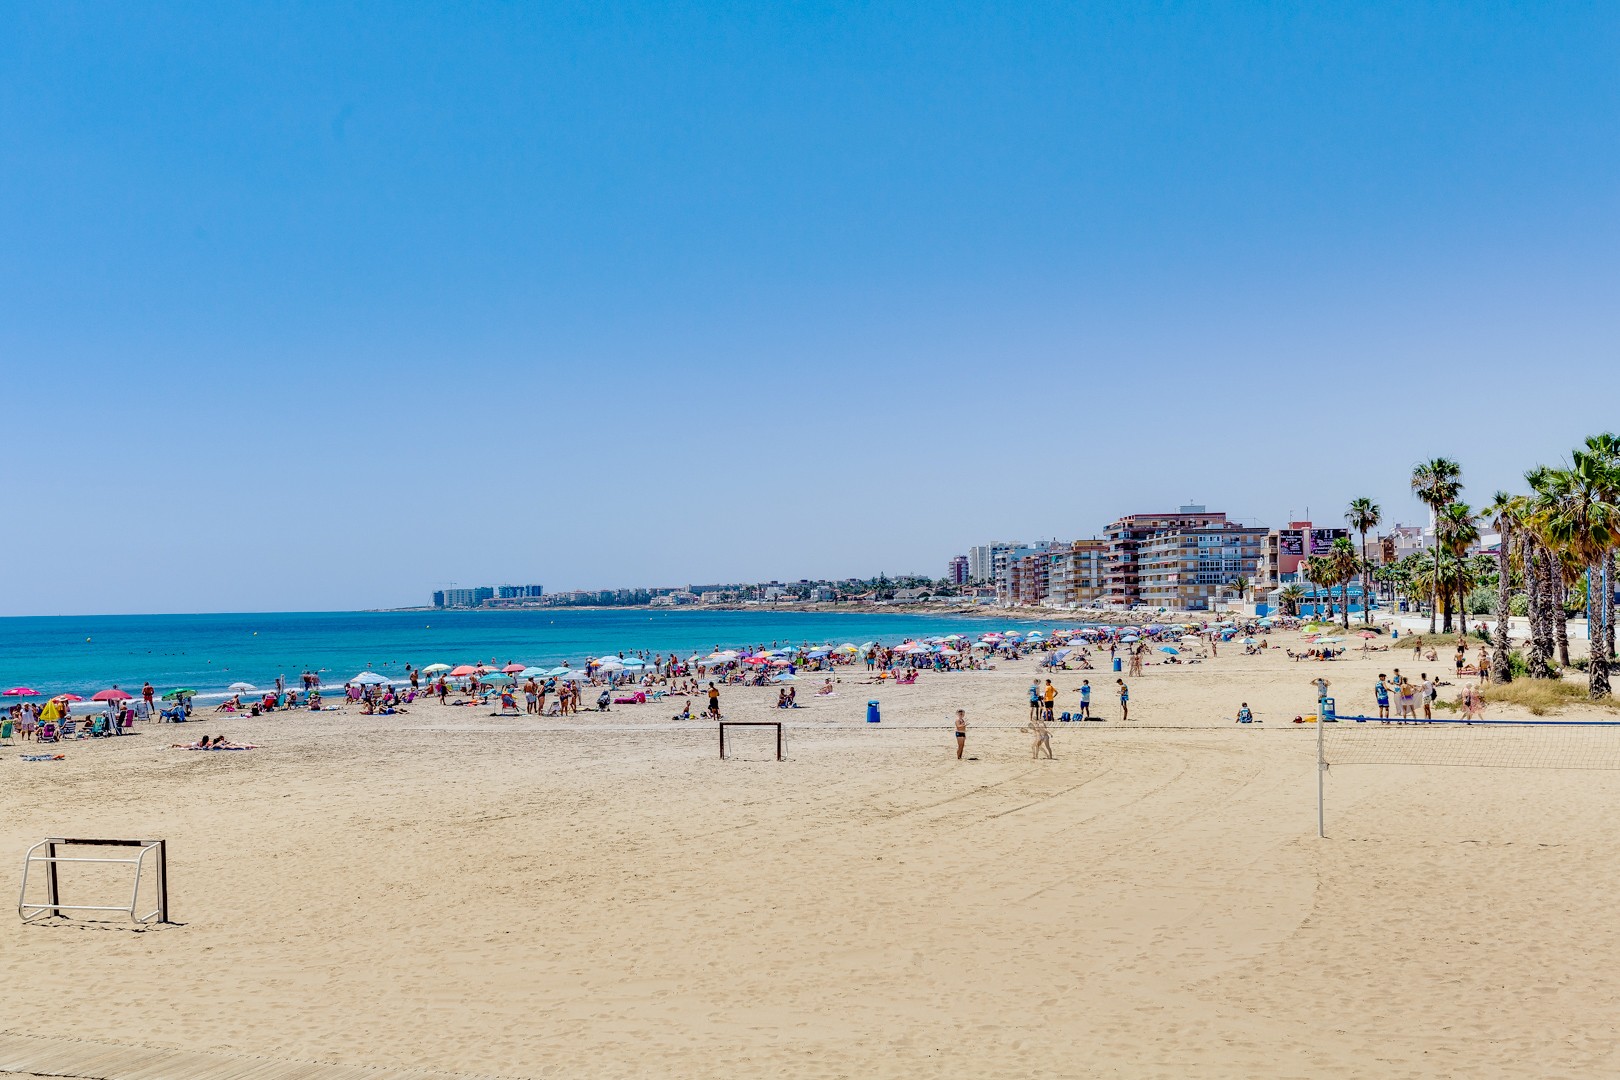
(1183, 560)
(956, 571)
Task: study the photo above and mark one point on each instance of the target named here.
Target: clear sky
(325, 305)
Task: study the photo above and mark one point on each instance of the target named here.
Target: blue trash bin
(1119, 664)
(1326, 710)
(872, 716)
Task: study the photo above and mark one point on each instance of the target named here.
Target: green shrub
(1519, 604)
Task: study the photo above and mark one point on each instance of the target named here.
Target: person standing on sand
(1034, 700)
(1085, 699)
(961, 732)
(1426, 688)
(531, 694)
(1381, 692)
(146, 696)
(1124, 700)
(714, 702)
(1049, 696)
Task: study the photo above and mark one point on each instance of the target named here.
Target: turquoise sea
(83, 654)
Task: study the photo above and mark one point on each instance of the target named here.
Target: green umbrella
(184, 691)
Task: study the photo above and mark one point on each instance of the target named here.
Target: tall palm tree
(1605, 448)
(1456, 531)
(1344, 564)
(1584, 522)
(1363, 516)
(1290, 596)
(1504, 511)
(1539, 584)
(1316, 570)
(1436, 482)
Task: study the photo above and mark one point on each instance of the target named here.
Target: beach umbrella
(557, 671)
(846, 647)
(434, 668)
(781, 662)
(182, 692)
(495, 677)
(114, 694)
(67, 697)
(463, 671)
(1172, 650)
(817, 654)
(1329, 640)
(1365, 634)
(369, 678)
(240, 688)
(532, 673)
(610, 665)
(1248, 641)
(867, 645)
(573, 676)
(1062, 654)
(512, 669)
(631, 661)
(20, 691)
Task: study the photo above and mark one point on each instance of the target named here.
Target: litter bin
(1119, 664)
(872, 716)
(1325, 708)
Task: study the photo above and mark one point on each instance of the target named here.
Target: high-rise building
(438, 598)
(1182, 560)
(956, 571)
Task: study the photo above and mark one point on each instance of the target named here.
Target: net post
(778, 740)
(722, 729)
(51, 891)
(1321, 770)
(163, 880)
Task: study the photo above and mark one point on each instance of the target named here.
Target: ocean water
(83, 654)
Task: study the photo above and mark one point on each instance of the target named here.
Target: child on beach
(961, 732)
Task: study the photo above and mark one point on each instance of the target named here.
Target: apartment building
(1075, 574)
(1182, 560)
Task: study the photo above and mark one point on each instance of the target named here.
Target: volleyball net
(1480, 744)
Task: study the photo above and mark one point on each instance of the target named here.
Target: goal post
(150, 862)
(777, 724)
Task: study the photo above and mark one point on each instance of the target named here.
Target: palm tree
(1504, 511)
(1538, 581)
(1290, 596)
(1583, 520)
(1606, 449)
(1316, 570)
(1456, 532)
(1436, 482)
(1344, 564)
(1363, 516)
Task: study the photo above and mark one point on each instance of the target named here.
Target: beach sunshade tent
(113, 694)
(369, 678)
(435, 668)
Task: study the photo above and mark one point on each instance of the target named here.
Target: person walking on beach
(714, 702)
(1428, 692)
(961, 732)
(1049, 694)
(1034, 700)
(1085, 699)
(1124, 700)
(1381, 692)
(1043, 739)
(146, 696)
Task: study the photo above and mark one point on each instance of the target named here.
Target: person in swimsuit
(1043, 739)
(961, 732)
(1381, 692)
(1124, 700)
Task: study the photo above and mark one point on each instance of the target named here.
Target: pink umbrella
(20, 691)
(114, 694)
(512, 669)
(67, 697)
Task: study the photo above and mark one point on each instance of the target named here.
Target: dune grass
(1538, 697)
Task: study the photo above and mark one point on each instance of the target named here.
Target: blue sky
(322, 305)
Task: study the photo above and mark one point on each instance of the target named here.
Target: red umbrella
(67, 697)
(114, 694)
(464, 670)
(20, 691)
(512, 669)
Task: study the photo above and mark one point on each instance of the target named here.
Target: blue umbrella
(1170, 649)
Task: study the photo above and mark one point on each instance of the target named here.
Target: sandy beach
(601, 896)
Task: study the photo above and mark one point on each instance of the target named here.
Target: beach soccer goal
(1479, 744)
(726, 739)
(149, 865)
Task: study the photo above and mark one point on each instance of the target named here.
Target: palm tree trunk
(1501, 670)
(1560, 610)
(1608, 605)
(1445, 627)
(1597, 662)
(1344, 600)
(1434, 595)
(1540, 634)
(1366, 582)
(1462, 605)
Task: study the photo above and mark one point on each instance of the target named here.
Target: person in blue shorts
(1085, 699)
(1381, 691)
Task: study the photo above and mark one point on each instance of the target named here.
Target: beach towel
(44, 757)
(214, 748)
